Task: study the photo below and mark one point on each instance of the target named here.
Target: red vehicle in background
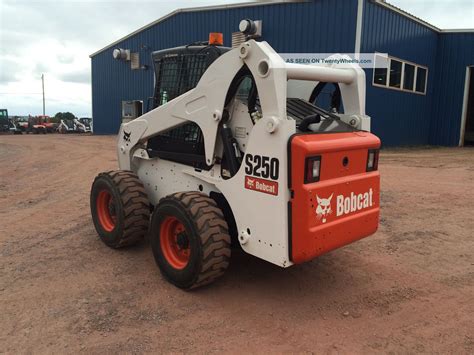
(37, 124)
(46, 121)
(32, 125)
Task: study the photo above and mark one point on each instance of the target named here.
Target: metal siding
(455, 53)
(398, 117)
(329, 26)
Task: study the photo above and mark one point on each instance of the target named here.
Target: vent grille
(237, 39)
(135, 61)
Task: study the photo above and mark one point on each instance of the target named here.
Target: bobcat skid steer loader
(67, 126)
(83, 125)
(228, 154)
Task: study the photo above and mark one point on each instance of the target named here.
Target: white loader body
(260, 209)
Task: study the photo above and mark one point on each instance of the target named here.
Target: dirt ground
(407, 289)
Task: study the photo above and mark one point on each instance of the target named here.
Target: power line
(21, 93)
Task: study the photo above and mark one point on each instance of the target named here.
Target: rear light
(373, 160)
(312, 169)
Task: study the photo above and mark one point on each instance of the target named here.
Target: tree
(63, 116)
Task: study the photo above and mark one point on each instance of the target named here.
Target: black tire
(126, 218)
(207, 236)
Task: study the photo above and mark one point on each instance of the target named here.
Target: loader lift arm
(206, 103)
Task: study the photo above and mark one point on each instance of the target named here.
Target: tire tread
(136, 208)
(213, 231)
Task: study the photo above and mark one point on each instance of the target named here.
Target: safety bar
(317, 73)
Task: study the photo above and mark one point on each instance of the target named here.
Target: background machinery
(35, 125)
(7, 124)
(14, 127)
(47, 122)
(228, 153)
(4, 125)
(4, 122)
(67, 126)
(83, 125)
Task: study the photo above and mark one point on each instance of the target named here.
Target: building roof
(196, 9)
(273, 2)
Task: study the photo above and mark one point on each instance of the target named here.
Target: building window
(421, 80)
(408, 77)
(395, 73)
(402, 75)
(380, 76)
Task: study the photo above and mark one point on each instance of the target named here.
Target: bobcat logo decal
(250, 182)
(324, 207)
(126, 136)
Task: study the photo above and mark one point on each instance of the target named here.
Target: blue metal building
(425, 100)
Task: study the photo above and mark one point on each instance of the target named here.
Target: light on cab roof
(216, 39)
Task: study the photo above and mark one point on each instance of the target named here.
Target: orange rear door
(343, 204)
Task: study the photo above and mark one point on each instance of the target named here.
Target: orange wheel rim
(106, 210)
(174, 243)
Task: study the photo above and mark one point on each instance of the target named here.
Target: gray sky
(57, 37)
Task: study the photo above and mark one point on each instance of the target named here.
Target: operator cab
(178, 70)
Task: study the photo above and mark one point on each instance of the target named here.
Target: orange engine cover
(344, 205)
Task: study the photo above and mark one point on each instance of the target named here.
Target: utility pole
(42, 82)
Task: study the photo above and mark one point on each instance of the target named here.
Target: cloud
(7, 76)
(7, 70)
(83, 76)
(41, 67)
(65, 58)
